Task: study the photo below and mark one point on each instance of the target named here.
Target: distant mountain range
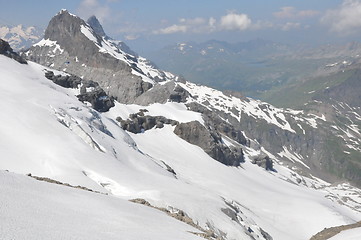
(260, 69)
(20, 37)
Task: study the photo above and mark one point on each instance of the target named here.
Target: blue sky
(155, 23)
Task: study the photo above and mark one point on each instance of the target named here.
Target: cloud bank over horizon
(344, 20)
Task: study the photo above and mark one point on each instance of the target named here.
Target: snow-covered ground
(39, 210)
(352, 234)
(46, 131)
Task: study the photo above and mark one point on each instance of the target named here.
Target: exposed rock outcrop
(213, 119)
(210, 141)
(179, 94)
(263, 161)
(89, 91)
(139, 122)
(97, 27)
(6, 50)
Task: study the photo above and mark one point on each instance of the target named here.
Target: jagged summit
(65, 27)
(72, 45)
(97, 27)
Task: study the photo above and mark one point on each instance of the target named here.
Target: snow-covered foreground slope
(352, 234)
(46, 131)
(38, 210)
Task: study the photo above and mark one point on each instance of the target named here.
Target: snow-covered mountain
(48, 132)
(20, 37)
(300, 138)
(228, 167)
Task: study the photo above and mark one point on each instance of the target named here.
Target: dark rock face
(264, 162)
(81, 56)
(99, 100)
(97, 27)
(140, 122)
(97, 97)
(64, 81)
(6, 50)
(179, 94)
(213, 119)
(210, 141)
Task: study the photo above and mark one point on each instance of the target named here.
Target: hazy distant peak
(20, 37)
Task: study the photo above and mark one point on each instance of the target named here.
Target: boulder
(263, 161)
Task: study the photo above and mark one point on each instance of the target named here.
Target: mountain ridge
(279, 131)
(20, 37)
(133, 150)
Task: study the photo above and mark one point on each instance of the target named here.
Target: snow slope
(38, 210)
(352, 234)
(46, 131)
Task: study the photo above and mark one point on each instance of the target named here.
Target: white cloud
(195, 25)
(229, 22)
(131, 37)
(93, 7)
(212, 24)
(172, 29)
(193, 21)
(290, 25)
(234, 21)
(346, 19)
(291, 12)
(286, 12)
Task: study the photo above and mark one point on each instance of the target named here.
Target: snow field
(46, 131)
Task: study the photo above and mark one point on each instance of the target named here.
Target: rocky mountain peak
(72, 45)
(96, 26)
(64, 27)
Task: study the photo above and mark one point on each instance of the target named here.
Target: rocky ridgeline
(6, 50)
(89, 90)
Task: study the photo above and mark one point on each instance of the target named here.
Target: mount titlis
(126, 150)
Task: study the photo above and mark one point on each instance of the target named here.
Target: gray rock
(210, 141)
(99, 100)
(263, 161)
(179, 94)
(66, 81)
(6, 50)
(213, 119)
(97, 27)
(97, 97)
(139, 122)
